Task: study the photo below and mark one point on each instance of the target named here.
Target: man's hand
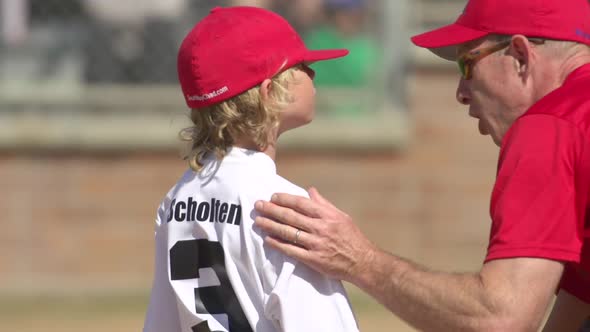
(316, 233)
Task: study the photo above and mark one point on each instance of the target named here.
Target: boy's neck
(270, 150)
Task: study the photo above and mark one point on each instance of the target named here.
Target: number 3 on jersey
(186, 258)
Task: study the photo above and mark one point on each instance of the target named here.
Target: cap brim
(320, 55)
(444, 41)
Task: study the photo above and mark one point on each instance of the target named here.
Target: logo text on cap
(209, 95)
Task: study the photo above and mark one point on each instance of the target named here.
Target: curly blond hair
(216, 127)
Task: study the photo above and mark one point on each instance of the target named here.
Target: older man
(525, 74)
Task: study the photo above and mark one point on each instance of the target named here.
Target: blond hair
(217, 127)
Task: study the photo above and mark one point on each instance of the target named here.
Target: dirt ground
(429, 204)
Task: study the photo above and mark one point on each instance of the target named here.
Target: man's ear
(265, 89)
(522, 51)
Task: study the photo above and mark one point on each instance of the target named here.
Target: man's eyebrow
(461, 48)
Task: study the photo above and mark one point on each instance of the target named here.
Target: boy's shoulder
(243, 172)
(254, 171)
(263, 185)
(286, 186)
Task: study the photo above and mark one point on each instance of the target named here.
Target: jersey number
(186, 258)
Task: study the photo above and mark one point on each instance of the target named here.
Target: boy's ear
(265, 88)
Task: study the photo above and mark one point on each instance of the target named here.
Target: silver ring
(296, 236)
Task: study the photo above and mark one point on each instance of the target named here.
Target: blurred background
(90, 109)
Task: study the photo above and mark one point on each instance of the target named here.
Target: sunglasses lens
(307, 70)
(311, 73)
(462, 69)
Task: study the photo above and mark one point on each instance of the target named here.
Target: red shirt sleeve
(533, 208)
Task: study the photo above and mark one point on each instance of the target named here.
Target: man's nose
(463, 94)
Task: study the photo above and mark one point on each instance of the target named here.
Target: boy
(244, 74)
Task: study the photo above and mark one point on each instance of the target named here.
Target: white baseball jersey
(212, 269)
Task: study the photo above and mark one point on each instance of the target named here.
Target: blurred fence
(99, 75)
(75, 74)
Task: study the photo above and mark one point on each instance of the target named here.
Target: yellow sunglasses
(468, 60)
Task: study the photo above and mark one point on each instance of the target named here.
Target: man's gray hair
(551, 47)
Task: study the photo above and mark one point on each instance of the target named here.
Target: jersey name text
(213, 211)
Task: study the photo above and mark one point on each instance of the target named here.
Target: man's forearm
(510, 294)
(435, 301)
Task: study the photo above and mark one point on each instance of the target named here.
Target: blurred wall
(90, 109)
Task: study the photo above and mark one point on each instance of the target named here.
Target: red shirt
(541, 197)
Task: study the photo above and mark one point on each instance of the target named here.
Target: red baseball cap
(567, 20)
(236, 48)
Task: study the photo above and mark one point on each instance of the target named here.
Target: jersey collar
(250, 157)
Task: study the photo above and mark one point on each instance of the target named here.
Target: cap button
(216, 9)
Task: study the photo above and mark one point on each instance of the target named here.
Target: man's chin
(482, 128)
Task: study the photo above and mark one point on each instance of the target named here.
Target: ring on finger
(296, 236)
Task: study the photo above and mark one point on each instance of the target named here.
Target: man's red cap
(236, 48)
(567, 20)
